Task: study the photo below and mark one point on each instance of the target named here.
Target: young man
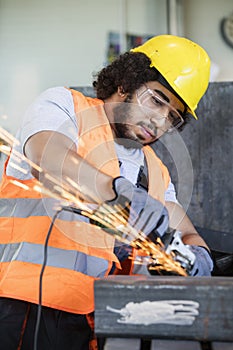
(101, 147)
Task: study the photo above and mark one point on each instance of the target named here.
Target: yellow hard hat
(184, 64)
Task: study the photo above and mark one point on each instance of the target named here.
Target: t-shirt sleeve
(53, 110)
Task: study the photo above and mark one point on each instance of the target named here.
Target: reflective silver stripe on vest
(60, 258)
(26, 207)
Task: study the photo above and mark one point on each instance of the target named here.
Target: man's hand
(203, 264)
(145, 213)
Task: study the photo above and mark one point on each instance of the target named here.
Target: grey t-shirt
(53, 110)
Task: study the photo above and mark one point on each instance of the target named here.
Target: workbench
(166, 312)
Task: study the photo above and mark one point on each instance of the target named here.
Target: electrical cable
(39, 309)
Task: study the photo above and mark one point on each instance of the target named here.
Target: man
(98, 149)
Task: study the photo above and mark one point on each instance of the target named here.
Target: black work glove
(145, 213)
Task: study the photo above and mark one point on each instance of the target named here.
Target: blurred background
(63, 42)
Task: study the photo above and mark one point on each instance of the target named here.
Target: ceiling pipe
(172, 27)
(123, 25)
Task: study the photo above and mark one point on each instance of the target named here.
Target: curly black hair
(130, 70)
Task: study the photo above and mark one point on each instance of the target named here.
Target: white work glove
(203, 264)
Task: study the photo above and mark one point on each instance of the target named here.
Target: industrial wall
(63, 42)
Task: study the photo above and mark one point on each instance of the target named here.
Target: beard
(122, 127)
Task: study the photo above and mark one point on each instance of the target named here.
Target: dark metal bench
(190, 313)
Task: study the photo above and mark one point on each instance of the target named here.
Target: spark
(75, 160)
(27, 160)
(19, 184)
(8, 138)
(5, 149)
(17, 167)
(113, 219)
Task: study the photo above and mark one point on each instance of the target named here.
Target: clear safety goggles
(153, 101)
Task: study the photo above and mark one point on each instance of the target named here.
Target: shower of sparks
(7, 137)
(19, 184)
(114, 219)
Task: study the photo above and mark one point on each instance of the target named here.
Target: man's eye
(174, 118)
(156, 101)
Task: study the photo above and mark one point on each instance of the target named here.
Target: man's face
(147, 115)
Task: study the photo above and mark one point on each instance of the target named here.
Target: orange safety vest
(78, 252)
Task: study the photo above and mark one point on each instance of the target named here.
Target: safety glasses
(152, 100)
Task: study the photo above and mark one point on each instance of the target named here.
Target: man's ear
(121, 92)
